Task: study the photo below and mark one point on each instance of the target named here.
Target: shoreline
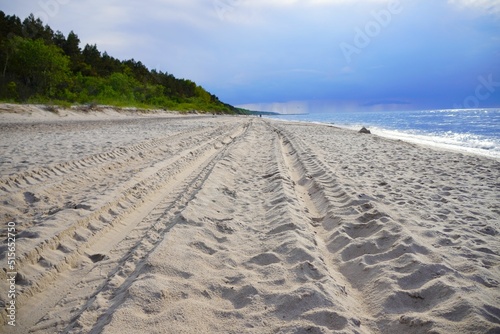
(419, 139)
(230, 224)
(36, 113)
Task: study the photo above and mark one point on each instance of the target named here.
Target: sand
(154, 223)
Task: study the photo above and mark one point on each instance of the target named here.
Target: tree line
(39, 65)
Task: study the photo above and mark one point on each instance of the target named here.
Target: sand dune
(244, 225)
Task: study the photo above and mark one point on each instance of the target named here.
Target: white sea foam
(460, 142)
(452, 141)
(474, 131)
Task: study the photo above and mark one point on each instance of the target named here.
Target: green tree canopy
(39, 64)
(40, 67)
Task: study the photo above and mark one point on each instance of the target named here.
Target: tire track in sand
(70, 251)
(243, 258)
(257, 235)
(79, 184)
(405, 286)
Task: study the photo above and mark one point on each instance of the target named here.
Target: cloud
(291, 107)
(120, 41)
(487, 6)
(267, 3)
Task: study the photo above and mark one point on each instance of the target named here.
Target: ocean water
(467, 130)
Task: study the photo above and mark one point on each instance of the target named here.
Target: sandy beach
(162, 223)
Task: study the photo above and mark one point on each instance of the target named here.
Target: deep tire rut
(68, 252)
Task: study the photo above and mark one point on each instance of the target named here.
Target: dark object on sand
(97, 257)
(364, 130)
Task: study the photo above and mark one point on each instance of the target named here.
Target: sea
(474, 131)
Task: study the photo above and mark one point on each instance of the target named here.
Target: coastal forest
(39, 65)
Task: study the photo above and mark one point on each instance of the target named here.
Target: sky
(301, 55)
